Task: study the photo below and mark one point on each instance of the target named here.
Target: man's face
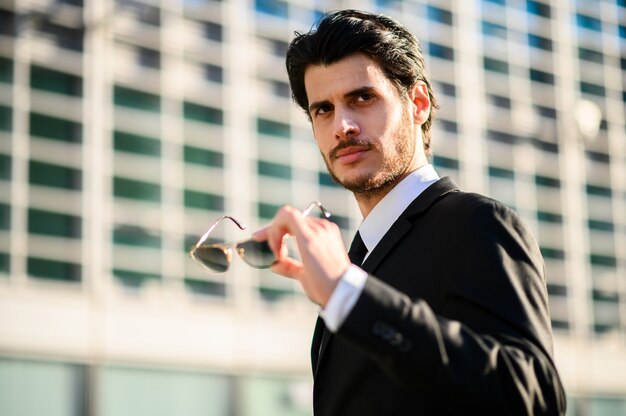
(369, 136)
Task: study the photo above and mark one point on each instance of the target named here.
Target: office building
(127, 127)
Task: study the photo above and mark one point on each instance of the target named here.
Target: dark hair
(346, 32)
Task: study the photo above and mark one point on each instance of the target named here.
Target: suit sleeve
(488, 347)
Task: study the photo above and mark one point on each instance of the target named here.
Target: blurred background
(127, 127)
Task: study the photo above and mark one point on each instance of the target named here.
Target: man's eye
(323, 109)
(365, 97)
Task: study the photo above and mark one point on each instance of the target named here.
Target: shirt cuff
(344, 297)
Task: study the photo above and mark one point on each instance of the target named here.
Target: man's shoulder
(463, 204)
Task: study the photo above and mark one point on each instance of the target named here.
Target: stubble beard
(392, 169)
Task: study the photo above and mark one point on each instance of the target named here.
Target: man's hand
(323, 254)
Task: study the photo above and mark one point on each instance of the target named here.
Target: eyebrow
(350, 94)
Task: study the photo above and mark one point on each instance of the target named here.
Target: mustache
(351, 142)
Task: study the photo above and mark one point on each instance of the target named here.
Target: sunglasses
(216, 257)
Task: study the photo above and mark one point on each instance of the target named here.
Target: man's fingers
(288, 267)
(288, 221)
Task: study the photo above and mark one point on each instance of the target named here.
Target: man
(448, 312)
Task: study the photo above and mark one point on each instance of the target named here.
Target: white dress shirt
(372, 229)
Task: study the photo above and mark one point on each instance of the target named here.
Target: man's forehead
(354, 71)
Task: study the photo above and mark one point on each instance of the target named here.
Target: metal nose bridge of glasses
(216, 257)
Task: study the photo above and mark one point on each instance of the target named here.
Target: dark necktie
(358, 250)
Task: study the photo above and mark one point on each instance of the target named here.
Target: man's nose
(345, 125)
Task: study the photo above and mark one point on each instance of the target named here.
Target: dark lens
(256, 253)
(213, 258)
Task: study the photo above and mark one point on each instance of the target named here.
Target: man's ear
(418, 95)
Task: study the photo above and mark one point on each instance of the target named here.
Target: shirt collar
(388, 209)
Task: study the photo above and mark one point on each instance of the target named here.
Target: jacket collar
(404, 223)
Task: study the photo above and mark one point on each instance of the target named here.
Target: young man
(448, 313)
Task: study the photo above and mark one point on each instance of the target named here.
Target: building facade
(127, 127)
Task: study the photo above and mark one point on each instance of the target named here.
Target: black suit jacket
(453, 319)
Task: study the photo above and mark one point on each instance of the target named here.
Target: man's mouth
(350, 154)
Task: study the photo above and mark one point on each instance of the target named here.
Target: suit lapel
(400, 227)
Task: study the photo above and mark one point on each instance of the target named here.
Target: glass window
(276, 170)
(273, 128)
(622, 31)
(552, 253)
(56, 176)
(495, 65)
(440, 51)
(598, 156)
(546, 181)
(6, 70)
(133, 143)
(590, 55)
(445, 162)
(439, 15)
(264, 395)
(66, 38)
(539, 42)
(7, 22)
(551, 217)
(605, 406)
(599, 191)
(127, 97)
(55, 128)
(388, 4)
(133, 235)
(500, 101)
(594, 89)
(55, 81)
(538, 8)
(501, 173)
(134, 391)
(325, 179)
(134, 279)
(267, 211)
(274, 7)
(134, 189)
(547, 112)
(6, 122)
(147, 14)
(53, 223)
(53, 269)
(541, 76)
(5, 167)
(601, 225)
(214, 73)
(501, 137)
(279, 48)
(213, 31)
(281, 88)
(202, 113)
(447, 89)
(602, 260)
(341, 221)
(149, 58)
(205, 287)
(588, 22)
(5, 267)
(5, 216)
(545, 146)
(203, 200)
(30, 388)
(203, 157)
(447, 125)
(493, 29)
